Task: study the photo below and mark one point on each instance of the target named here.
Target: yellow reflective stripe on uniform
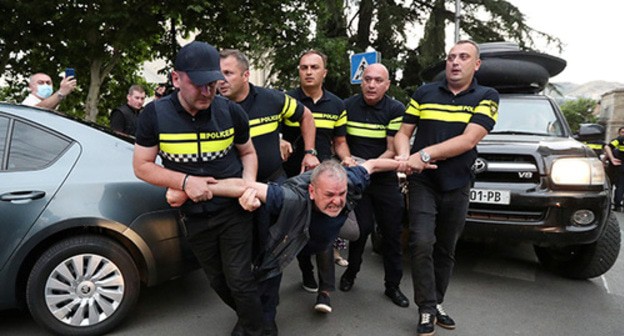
(594, 146)
(342, 120)
(263, 125)
(413, 108)
(615, 143)
(366, 130)
(395, 123)
(290, 106)
(255, 131)
(177, 136)
(291, 123)
(444, 116)
(452, 113)
(179, 147)
(329, 121)
(216, 145)
(488, 108)
(187, 143)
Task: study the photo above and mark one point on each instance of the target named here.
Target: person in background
(373, 118)
(615, 153)
(160, 91)
(452, 116)
(217, 229)
(42, 91)
(123, 119)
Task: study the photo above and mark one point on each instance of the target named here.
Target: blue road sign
(359, 62)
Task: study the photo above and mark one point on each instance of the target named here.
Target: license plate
(489, 196)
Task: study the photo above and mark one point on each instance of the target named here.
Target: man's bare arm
(249, 159)
(67, 86)
(146, 169)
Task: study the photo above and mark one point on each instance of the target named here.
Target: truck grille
(507, 215)
(506, 169)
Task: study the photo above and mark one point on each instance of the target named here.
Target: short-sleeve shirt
(31, 100)
(369, 126)
(201, 145)
(617, 147)
(323, 229)
(330, 119)
(266, 109)
(440, 115)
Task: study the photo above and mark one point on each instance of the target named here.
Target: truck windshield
(527, 116)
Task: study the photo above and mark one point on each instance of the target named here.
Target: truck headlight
(578, 171)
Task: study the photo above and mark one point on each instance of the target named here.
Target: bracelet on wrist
(60, 95)
(184, 182)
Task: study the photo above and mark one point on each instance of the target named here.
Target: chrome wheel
(84, 290)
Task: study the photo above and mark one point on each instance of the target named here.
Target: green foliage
(579, 111)
(107, 41)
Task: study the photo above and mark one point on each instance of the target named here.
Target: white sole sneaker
(323, 308)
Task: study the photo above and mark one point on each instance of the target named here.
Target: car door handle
(22, 196)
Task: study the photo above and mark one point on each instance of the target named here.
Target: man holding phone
(41, 90)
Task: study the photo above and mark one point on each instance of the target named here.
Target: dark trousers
(436, 221)
(222, 244)
(619, 185)
(269, 288)
(324, 265)
(382, 202)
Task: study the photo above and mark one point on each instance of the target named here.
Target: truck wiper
(519, 132)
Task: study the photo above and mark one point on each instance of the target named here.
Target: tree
(107, 41)
(579, 111)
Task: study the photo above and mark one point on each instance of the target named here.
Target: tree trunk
(93, 96)
(364, 25)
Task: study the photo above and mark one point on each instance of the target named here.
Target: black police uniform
(266, 109)
(439, 197)
(219, 230)
(330, 119)
(617, 147)
(367, 130)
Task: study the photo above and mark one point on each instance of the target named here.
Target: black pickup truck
(534, 181)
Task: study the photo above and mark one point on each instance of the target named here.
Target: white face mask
(44, 90)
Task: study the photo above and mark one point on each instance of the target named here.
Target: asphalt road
(496, 290)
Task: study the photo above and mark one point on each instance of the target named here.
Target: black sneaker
(323, 304)
(425, 325)
(309, 283)
(443, 319)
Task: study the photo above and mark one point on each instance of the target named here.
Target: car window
(33, 148)
(4, 127)
(527, 116)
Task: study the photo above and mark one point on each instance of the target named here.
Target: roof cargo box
(507, 68)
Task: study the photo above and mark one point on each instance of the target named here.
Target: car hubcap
(84, 290)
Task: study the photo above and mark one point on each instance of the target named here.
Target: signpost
(359, 62)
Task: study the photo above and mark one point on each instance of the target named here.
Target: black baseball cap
(200, 61)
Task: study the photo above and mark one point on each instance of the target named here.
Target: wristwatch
(424, 156)
(311, 151)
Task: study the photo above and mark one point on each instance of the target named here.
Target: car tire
(584, 261)
(83, 285)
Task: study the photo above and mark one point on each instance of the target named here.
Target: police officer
(330, 119)
(452, 116)
(373, 119)
(615, 153)
(201, 136)
(266, 109)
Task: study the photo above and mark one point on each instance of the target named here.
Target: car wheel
(584, 261)
(83, 285)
